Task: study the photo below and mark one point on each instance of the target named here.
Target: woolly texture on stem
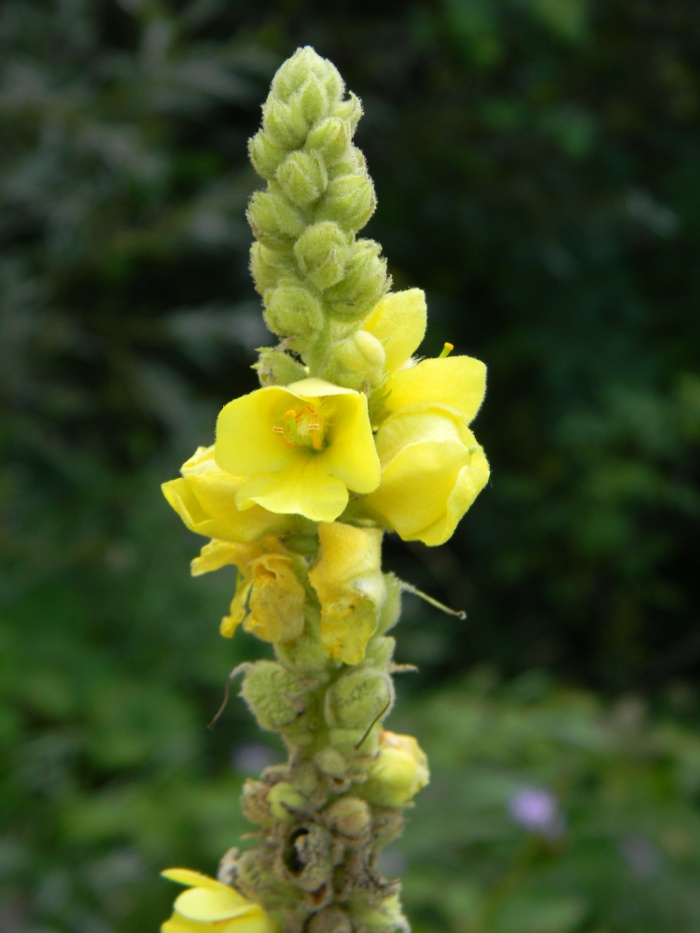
(306, 475)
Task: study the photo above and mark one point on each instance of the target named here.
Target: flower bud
(349, 817)
(273, 695)
(386, 919)
(349, 200)
(313, 100)
(361, 354)
(320, 252)
(398, 772)
(270, 266)
(391, 609)
(330, 138)
(350, 111)
(330, 761)
(302, 176)
(363, 284)
(265, 156)
(275, 367)
(306, 66)
(273, 220)
(285, 801)
(284, 124)
(358, 698)
(292, 311)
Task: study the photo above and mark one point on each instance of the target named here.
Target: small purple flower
(537, 810)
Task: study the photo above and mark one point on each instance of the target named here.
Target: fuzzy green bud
(320, 252)
(358, 698)
(349, 200)
(363, 284)
(349, 817)
(273, 220)
(314, 101)
(330, 138)
(307, 66)
(303, 177)
(273, 695)
(277, 368)
(284, 124)
(385, 919)
(292, 311)
(391, 608)
(265, 156)
(269, 267)
(362, 354)
(285, 801)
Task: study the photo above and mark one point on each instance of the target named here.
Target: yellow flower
(211, 906)
(205, 499)
(398, 772)
(432, 466)
(432, 470)
(350, 587)
(301, 447)
(269, 598)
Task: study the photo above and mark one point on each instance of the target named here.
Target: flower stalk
(306, 475)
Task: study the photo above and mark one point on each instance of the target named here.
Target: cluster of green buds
(348, 437)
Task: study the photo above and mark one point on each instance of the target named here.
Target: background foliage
(537, 173)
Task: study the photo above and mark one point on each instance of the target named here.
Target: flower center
(302, 428)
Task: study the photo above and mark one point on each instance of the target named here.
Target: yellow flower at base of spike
(303, 448)
(212, 907)
(269, 598)
(432, 466)
(350, 588)
(398, 772)
(205, 499)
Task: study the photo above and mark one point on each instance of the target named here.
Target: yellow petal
(219, 554)
(178, 924)
(208, 905)
(304, 487)
(238, 609)
(191, 879)
(350, 588)
(351, 455)
(456, 382)
(204, 498)
(399, 322)
(276, 600)
(245, 440)
(433, 469)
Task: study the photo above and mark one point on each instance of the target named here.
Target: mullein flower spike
(349, 437)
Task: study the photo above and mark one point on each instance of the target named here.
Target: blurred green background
(537, 164)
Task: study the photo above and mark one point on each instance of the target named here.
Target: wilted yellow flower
(302, 447)
(269, 598)
(432, 466)
(351, 588)
(205, 499)
(211, 906)
(398, 772)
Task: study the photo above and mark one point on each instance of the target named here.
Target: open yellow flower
(351, 588)
(269, 598)
(432, 466)
(302, 447)
(433, 469)
(205, 499)
(212, 907)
